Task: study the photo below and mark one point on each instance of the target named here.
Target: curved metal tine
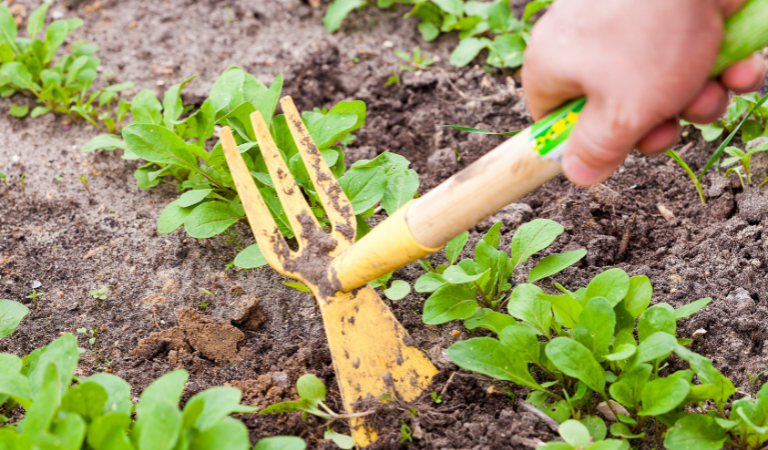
(336, 204)
(271, 242)
(297, 210)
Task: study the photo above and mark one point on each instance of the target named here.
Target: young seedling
(92, 333)
(312, 393)
(744, 157)
(4, 177)
(414, 62)
(203, 304)
(84, 182)
(99, 294)
(696, 182)
(475, 290)
(397, 290)
(437, 399)
(737, 171)
(35, 295)
(406, 435)
(58, 178)
(21, 183)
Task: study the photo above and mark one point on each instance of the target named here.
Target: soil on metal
(157, 316)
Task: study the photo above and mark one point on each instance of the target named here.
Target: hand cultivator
(370, 348)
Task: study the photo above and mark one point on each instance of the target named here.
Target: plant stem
(672, 154)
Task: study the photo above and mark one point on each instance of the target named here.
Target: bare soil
(259, 335)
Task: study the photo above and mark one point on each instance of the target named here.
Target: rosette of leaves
(173, 141)
(97, 412)
(603, 349)
(475, 290)
(481, 25)
(64, 86)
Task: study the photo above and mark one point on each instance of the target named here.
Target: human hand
(641, 64)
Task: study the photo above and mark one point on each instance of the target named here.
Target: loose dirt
(259, 335)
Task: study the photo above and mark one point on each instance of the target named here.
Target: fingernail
(579, 173)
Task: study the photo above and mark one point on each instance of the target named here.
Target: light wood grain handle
(500, 177)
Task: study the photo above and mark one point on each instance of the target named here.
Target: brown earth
(71, 241)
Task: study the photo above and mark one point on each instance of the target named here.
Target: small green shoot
(203, 304)
(58, 178)
(393, 79)
(4, 177)
(436, 399)
(406, 435)
(673, 154)
(21, 183)
(737, 171)
(34, 296)
(92, 333)
(414, 62)
(744, 157)
(84, 182)
(99, 294)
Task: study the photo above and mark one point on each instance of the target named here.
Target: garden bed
(73, 241)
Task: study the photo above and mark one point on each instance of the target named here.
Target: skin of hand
(641, 64)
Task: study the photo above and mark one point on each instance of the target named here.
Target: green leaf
(85, 399)
(534, 7)
(467, 50)
(493, 236)
(118, 392)
(479, 131)
(18, 110)
(401, 187)
(37, 20)
(326, 129)
(621, 352)
(341, 440)
(532, 237)
(639, 295)
(172, 105)
(658, 345)
(8, 29)
(449, 302)
(39, 111)
(575, 360)
(281, 443)
(398, 290)
(11, 314)
(507, 51)
(657, 318)
(595, 327)
(209, 219)
(146, 108)
(523, 342)
(284, 407)
(172, 217)
(157, 144)
(12, 383)
(691, 308)
(574, 433)
(55, 35)
(250, 258)
(104, 141)
(662, 395)
(47, 398)
(628, 388)
(455, 246)
(364, 187)
(490, 320)
(695, 432)
(218, 402)
(457, 275)
(106, 428)
(6, 55)
(193, 197)
(429, 31)
(553, 264)
(707, 373)
(490, 357)
(613, 284)
(429, 282)
(356, 107)
(158, 425)
(454, 7)
(525, 304)
(63, 353)
(310, 388)
(566, 308)
(19, 76)
(165, 390)
(338, 11)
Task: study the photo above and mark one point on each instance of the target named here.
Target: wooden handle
(500, 177)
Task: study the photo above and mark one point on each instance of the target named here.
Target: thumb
(598, 143)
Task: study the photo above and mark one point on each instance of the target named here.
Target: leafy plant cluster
(599, 348)
(27, 65)
(475, 290)
(481, 26)
(746, 114)
(96, 412)
(173, 141)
